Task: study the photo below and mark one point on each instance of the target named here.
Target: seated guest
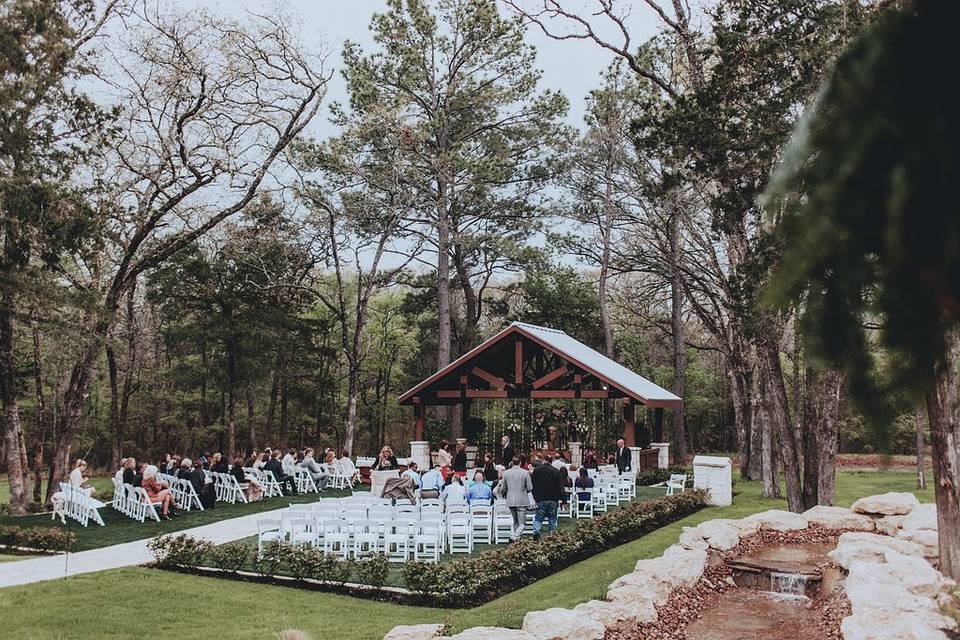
(386, 461)
(411, 473)
(251, 488)
(185, 472)
(288, 464)
(273, 466)
(158, 492)
(460, 461)
(204, 460)
(311, 466)
(330, 457)
(261, 460)
(590, 460)
(490, 473)
(78, 480)
(559, 462)
(118, 476)
(479, 490)
(453, 492)
(584, 481)
(431, 483)
(130, 474)
(219, 464)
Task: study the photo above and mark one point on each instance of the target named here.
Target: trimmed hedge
(448, 584)
(39, 538)
(506, 569)
(656, 476)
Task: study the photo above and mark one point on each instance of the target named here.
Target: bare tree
(208, 107)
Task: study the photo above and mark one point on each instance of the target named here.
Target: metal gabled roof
(571, 349)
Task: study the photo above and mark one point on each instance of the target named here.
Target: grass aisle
(93, 606)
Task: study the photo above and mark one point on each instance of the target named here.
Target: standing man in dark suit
(506, 451)
(624, 457)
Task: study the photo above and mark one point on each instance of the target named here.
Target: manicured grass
(101, 483)
(92, 606)
(13, 557)
(119, 528)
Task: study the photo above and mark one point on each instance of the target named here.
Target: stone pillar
(635, 459)
(714, 474)
(576, 453)
(420, 453)
(663, 454)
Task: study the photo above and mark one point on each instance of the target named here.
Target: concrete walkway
(120, 555)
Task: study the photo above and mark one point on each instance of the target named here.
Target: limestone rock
(923, 516)
(910, 572)
(691, 539)
(679, 569)
(926, 538)
(415, 632)
(720, 534)
(901, 627)
(562, 624)
(887, 504)
(838, 518)
(890, 525)
(621, 610)
(869, 546)
(779, 520)
(492, 633)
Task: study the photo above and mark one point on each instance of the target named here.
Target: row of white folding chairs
(184, 495)
(227, 487)
(271, 488)
(399, 540)
(75, 503)
(134, 502)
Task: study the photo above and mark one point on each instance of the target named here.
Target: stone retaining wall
(894, 592)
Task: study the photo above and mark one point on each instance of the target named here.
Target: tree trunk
(779, 415)
(921, 448)
(117, 437)
(42, 419)
(231, 398)
(128, 371)
(353, 391)
(679, 348)
(284, 408)
(740, 398)
(274, 391)
(827, 438)
(15, 448)
(763, 453)
(605, 323)
(251, 425)
(942, 415)
(811, 441)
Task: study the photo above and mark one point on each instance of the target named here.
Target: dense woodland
(184, 267)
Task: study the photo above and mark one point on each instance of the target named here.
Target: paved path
(120, 555)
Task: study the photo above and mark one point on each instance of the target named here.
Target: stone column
(663, 454)
(635, 459)
(420, 453)
(576, 453)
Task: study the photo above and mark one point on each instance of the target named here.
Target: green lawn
(119, 528)
(101, 483)
(91, 606)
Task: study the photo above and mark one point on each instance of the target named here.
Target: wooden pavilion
(529, 361)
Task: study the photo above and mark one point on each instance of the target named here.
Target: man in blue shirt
(479, 490)
(431, 483)
(411, 473)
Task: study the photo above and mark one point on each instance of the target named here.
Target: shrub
(229, 557)
(41, 538)
(179, 550)
(373, 571)
(267, 562)
(656, 476)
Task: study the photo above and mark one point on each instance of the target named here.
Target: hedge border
(449, 585)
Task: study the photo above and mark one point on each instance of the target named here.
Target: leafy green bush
(179, 550)
(373, 571)
(656, 476)
(229, 557)
(41, 538)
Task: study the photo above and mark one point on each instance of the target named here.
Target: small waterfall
(793, 584)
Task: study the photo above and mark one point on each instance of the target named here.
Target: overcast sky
(571, 66)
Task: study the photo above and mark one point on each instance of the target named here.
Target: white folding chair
(303, 531)
(502, 523)
(627, 487)
(268, 530)
(481, 521)
(427, 541)
(599, 498)
(144, 506)
(585, 502)
(459, 533)
(336, 538)
(396, 540)
(304, 481)
(677, 482)
(366, 538)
